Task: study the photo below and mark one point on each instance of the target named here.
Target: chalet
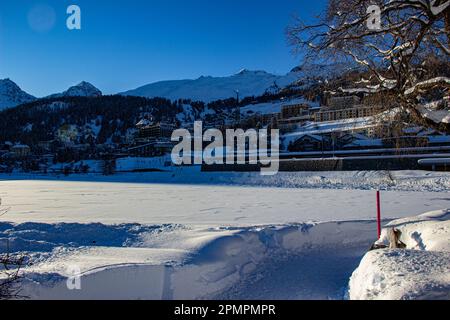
(309, 142)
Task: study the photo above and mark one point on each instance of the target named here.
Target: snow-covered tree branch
(404, 44)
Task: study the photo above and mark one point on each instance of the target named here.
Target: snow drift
(422, 271)
(304, 261)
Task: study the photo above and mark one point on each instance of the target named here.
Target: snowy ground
(224, 236)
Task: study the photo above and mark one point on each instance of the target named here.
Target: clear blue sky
(124, 44)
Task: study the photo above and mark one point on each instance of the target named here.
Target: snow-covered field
(194, 235)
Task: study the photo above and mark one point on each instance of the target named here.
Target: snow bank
(303, 261)
(131, 164)
(421, 271)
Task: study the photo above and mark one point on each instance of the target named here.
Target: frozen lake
(173, 241)
(113, 203)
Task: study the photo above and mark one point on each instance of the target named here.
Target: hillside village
(65, 132)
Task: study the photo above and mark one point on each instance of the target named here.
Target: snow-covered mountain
(248, 83)
(83, 89)
(11, 95)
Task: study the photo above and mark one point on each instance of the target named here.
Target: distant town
(345, 132)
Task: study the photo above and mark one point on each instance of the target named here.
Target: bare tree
(10, 276)
(3, 211)
(10, 267)
(406, 52)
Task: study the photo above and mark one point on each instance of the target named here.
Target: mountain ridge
(208, 88)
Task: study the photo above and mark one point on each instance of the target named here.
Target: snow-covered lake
(193, 236)
(113, 203)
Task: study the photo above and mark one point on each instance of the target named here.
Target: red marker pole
(379, 213)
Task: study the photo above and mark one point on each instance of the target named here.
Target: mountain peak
(83, 89)
(11, 95)
(7, 82)
(249, 72)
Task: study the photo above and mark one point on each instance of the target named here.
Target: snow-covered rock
(11, 95)
(248, 83)
(421, 271)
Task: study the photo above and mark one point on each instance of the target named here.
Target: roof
(143, 122)
(314, 136)
(365, 143)
(20, 146)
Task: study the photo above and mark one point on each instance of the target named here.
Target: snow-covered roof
(275, 107)
(365, 143)
(143, 123)
(293, 138)
(17, 146)
(438, 116)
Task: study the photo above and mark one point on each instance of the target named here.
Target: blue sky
(126, 44)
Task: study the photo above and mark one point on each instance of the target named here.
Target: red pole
(379, 213)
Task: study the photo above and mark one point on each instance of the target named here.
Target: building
(21, 150)
(294, 111)
(358, 141)
(149, 132)
(344, 102)
(309, 142)
(269, 118)
(327, 114)
(45, 145)
(294, 115)
(291, 124)
(346, 107)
